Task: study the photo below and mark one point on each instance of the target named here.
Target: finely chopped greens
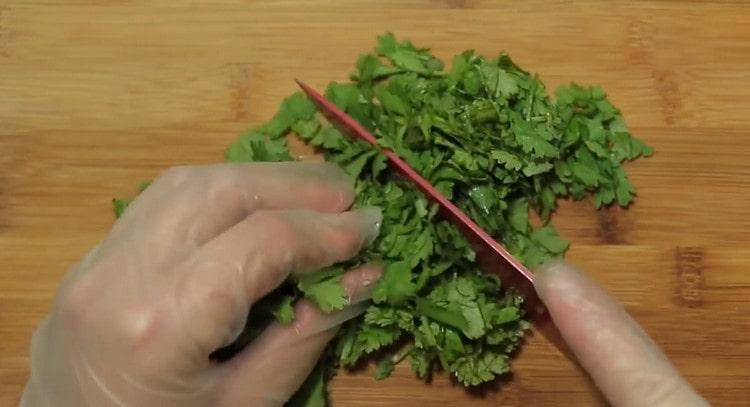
(489, 137)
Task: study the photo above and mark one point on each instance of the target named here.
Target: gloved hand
(624, 362)
(134, 323)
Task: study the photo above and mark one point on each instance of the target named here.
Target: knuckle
(176, 176)
(221, 180)
(272, 225)
(330, 183)
(211, 283)
(137, 325)
(223, 187)
(78, 301)
(220, 302)
(87, 306)
(266, 269)
(211, 288)
(667, 391)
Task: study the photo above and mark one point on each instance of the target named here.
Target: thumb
(623, 360)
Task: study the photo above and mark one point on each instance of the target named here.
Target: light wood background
(96, 96)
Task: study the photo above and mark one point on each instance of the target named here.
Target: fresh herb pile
(489, 137)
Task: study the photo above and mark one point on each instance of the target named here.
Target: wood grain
(98, 95)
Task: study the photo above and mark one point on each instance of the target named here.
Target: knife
(491, 256)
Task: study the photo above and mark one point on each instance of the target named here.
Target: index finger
(623, 360)
(188, 206)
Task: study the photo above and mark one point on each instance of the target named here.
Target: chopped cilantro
(324, 290)
(385, 368)
(488, 136)
(284, 310)
(119, 206)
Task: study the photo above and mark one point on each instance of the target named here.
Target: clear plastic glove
(134, 323)
(625, 363)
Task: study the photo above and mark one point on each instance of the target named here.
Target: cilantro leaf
(407, 57)
(396, 284)
(532, 169)
(326, 293)
(284, 310)
(549, 239)
(519, 215)
(384, 368)
(472, 370)
(254, 146)
(119, 206)
(294, 108)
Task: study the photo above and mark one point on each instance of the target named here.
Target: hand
(134, 323)
(624, 362)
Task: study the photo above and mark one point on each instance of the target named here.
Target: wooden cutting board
(96, 96)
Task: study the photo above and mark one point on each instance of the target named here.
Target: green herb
(385, 368)
(284, 310)
(488, 136)
(324, 290)
(119, 205)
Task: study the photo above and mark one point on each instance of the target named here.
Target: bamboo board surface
(96, 96)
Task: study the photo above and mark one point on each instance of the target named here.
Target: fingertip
(345, 234)
(360, 283)
(372, 217)
(548, 270)
(557, 277)
(554, 268)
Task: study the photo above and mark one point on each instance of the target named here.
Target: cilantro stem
(530, 105)
(402, 353)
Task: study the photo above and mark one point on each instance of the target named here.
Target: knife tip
(306, 89)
